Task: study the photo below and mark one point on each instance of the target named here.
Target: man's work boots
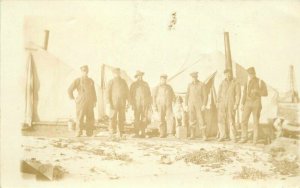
(221, 139)
(162, 136)
(79, 133)
(192, 136)
(202, 129)
(89, 132)
(143, 135)
(162, 132)
(119, 134)
(242, 141)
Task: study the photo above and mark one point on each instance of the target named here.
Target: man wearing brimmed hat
(140, 100)
(254, 89)
(85, 101)
(196, 100)
(117, 94)
(163, 97)
(228, 101)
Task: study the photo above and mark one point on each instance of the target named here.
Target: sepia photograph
(150, 93)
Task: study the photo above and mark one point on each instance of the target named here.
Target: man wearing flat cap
(140, 100)
(196, 100)
(254, 89)
(163, 97)
(117, 94)
(85, 101)
(228, 101)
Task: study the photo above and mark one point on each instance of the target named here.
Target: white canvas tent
(47, 80)
(205, 65)
(210, 68)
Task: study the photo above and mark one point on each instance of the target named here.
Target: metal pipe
(46, 39)
(228, 61)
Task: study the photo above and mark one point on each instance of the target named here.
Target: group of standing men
(229, 96)
(139, 96)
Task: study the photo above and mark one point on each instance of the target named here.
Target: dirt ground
(158, 161)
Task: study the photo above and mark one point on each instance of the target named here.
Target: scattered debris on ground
(93, 169)
(115, 138)
(275, 150)
(165, 159)
(285, 167)
(215, 158)
(284, 158)
(100, 152)
(250, 173)
(121, 157)
(102, 171)
(81, 146)
(113, 159)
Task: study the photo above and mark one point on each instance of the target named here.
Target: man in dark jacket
(140, 100)
(163, 97)
(196, 100)
(117, 94)
(251, 104)
(85, 101)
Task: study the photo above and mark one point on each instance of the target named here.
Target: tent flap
(29, 92)
(46, 88)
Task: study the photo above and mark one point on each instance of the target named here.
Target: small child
(179, 111)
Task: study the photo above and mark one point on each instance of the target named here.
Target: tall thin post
(228, 61)
(46, 39)
(293, 90)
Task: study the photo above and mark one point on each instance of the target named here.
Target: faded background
(134, 35)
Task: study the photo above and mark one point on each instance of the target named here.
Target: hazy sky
(134, 35)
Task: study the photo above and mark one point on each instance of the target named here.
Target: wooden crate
(181, 132)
